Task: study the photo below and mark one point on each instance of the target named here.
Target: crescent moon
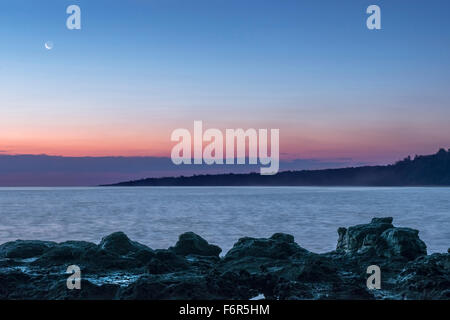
(48, 45)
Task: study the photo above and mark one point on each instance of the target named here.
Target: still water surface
(156, 216)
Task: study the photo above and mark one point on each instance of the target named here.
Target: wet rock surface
(21, 249)
(277, 267)
(191, 243)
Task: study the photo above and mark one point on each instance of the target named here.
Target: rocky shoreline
(273, 268)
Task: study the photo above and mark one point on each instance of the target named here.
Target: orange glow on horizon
(313, 142)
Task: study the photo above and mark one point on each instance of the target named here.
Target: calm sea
(156, 216)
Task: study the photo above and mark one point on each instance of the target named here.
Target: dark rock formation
(88, 291)
(190, 243)
(404, 242)
(120, 244)
(279, 246)
(362, 237)
(427, 277)
(21, 249)
(381, 238)
(69, 252)
(277, 267)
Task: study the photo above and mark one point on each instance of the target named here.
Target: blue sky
(139, 69)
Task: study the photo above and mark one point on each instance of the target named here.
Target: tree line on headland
(428, 170)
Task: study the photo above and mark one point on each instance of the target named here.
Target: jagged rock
(196, 286)
(363, 236)
(143, 289)
(88, 291)
(279, 246)
(23, 249)
(381, 238)
(99, 259)
(9, 262)
(276, 267)
(115, 252)
(427, 277)
(119, 243)
(387, 220)
(284, 237)
(404, 242)
(191, 243)
(65, 253)
(238, 285)
(143, 256)
(186, 288)
(316, 268)
(14, 285)
(166, 261)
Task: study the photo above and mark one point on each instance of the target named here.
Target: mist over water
(156, 216)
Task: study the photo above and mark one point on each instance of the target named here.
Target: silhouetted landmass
(429, 170)
(21, 170)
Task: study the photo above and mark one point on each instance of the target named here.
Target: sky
(139, 69)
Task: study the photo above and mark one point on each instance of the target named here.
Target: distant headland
(424, 170)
